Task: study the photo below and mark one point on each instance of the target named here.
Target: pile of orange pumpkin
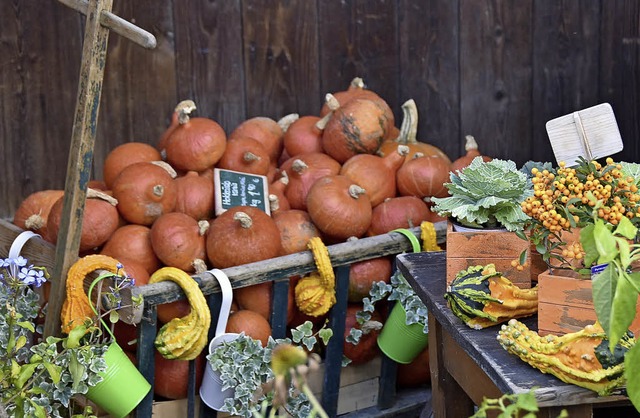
(346, 172)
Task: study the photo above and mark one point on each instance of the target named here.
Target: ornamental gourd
(76, 307)
(581, 358)
(183, 338)
(481, 297)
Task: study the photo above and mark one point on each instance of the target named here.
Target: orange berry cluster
(566, 198)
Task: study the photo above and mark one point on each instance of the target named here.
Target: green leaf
(603, 289)
(632, 374)
(75, 335)
(623, 309)
(625, 252)
(54, 371)
(325, 335)
(114, 316)
(605, 242)
(589, 245)
(20, 342)
(626, 228)
(26, 325)
(527, 401)
(76, 369)
(26, 371)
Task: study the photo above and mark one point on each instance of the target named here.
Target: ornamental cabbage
(486, 194)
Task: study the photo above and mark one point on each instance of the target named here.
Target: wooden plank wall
(497, 69)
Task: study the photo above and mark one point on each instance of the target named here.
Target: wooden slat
(280, 57)
(429, 30)
(38, 82)
(495, 75)
(359, 39)
(565, 64)
(208, 59)
(619, 70)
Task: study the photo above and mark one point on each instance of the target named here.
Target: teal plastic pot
(401, 342)
(122, 387)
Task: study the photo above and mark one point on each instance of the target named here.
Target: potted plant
(47, 376)
(40, 378)
(484, 211)
(566, 202)
(256, 373)
(405, 332)
(560, 205)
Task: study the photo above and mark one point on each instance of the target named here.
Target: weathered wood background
(496, 69)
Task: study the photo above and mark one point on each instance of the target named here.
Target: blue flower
(30, 276)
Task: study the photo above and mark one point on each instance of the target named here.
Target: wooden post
(94, 55)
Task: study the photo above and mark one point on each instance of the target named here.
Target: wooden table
(467, 365)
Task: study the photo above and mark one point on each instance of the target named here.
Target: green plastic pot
(401, 342)
(122, 387)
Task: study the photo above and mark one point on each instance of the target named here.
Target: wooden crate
(565, 303)
(465, 249)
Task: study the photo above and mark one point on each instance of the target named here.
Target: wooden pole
(94, 55)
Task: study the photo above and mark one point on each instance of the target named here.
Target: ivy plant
(244, 365)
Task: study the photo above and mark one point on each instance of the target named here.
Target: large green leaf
(632, 374)
(623, 309)
(603, 288)
(605, 242)
(589, 245)
(626, 228)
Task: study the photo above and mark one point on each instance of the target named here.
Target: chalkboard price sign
(234, 188)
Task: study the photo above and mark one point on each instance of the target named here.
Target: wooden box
(465, 249)
(565, 303)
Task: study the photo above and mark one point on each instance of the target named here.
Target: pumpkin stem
(403, 150)
(167, 167)
(299, 166)
(34, 222)
(249, 157)
(199, 265)
(287, 120)
(203, 227)
(355, 191)
(409, 127)
(357, 83)
(245, 220)
(470, 143)
(284, 178)
(158, 190)
(333, 105)
(184, 109)
(97, 194)
(274, 203)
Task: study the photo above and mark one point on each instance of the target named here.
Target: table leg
(448, 399)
